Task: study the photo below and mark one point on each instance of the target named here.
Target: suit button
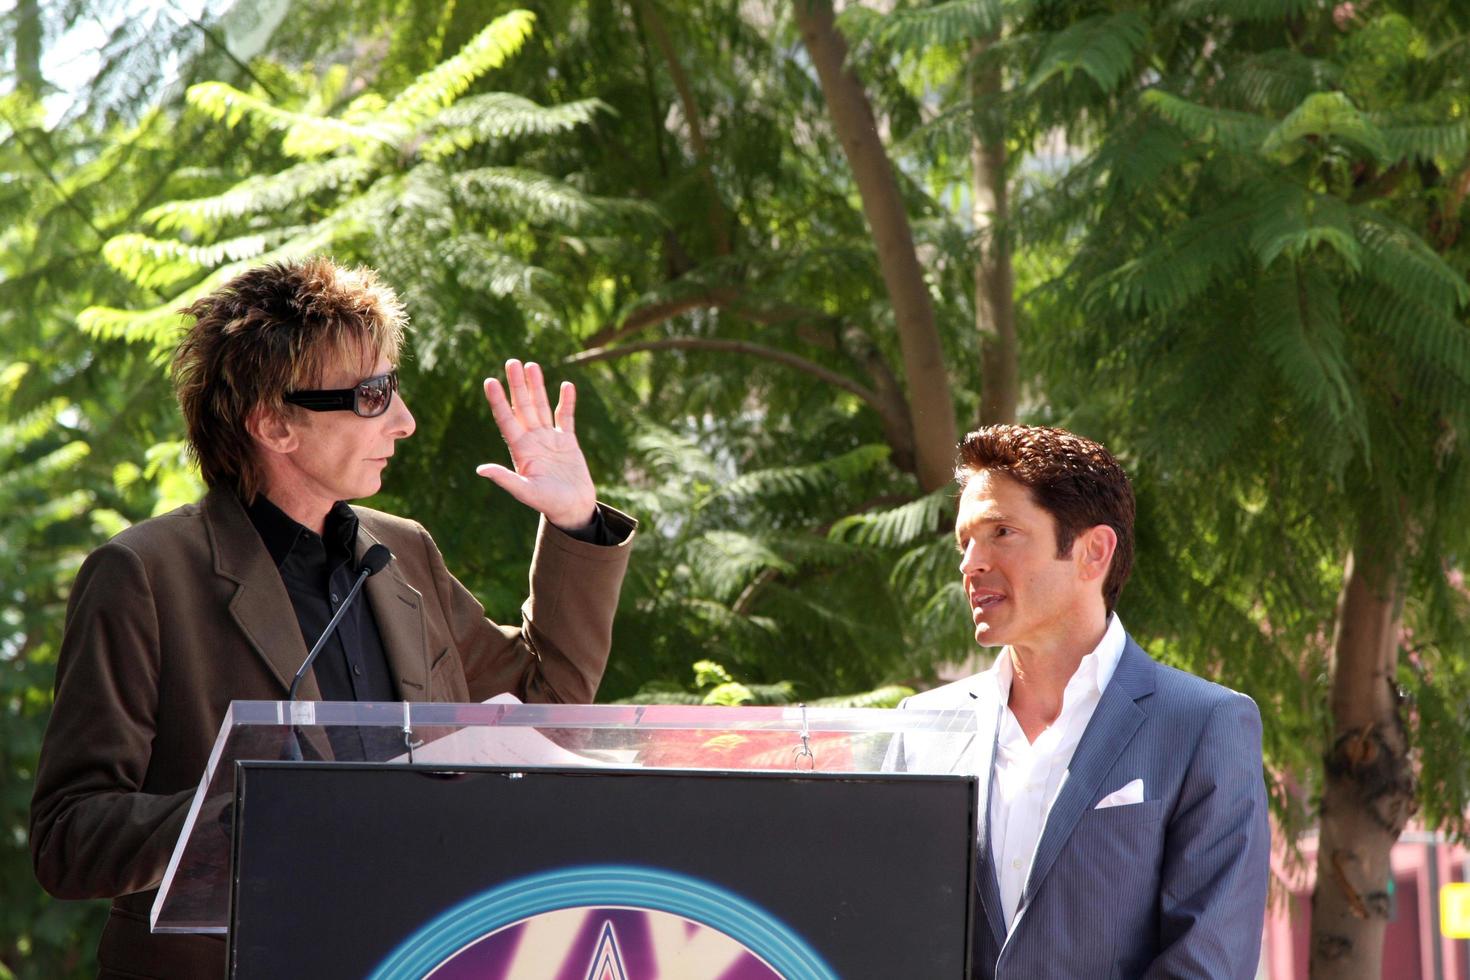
(357, 669)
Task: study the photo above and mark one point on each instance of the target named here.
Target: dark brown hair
(1072, 478)
(269, 331)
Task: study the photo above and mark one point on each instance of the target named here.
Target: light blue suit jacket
(1174, 886)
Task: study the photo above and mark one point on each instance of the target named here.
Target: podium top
(194, 894)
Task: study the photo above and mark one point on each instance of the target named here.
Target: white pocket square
(1131, 793)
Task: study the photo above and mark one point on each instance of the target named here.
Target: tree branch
(734, 347)
(656, 313)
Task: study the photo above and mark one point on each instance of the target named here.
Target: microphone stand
(373, 562)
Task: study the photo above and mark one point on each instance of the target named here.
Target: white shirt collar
(1097, 667)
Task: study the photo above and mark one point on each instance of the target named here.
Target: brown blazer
(177, 616)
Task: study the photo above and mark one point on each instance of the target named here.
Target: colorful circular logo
(605, 923)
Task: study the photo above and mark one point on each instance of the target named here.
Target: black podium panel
(387, 871)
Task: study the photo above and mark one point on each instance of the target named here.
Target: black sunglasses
(368, 398)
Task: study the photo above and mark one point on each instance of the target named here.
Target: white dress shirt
(1028, 775)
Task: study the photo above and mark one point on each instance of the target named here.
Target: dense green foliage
(1238, 260)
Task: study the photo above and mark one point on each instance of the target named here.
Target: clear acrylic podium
(804, 743)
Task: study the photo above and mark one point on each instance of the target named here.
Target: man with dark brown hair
(288, 385)
(1123, 828)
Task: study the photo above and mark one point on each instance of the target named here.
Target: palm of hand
(550, 472)
(555, 472)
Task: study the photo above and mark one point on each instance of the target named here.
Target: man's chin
(988, 637)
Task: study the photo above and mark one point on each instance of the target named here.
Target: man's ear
(1094, 550)
(270, 430)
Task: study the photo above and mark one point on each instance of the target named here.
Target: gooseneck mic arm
(373, 562)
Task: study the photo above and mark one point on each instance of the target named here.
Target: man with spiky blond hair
(288, 385)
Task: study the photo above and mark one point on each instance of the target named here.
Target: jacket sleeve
(560, 650)
(1217, 856)
(93, 832)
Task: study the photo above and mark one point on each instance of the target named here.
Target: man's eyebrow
(991, 518)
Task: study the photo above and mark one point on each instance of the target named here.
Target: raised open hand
(550, 472)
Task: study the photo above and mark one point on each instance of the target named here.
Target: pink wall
(1411, 937)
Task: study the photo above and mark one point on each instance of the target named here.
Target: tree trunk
(28, 47)
(932, 408)
(995, 302)
(1369, 793)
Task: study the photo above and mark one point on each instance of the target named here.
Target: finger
(505, 419)
(520, 398)
(566, 408)
(536, 385)
(508, 480)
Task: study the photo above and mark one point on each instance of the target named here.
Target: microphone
(373, 561)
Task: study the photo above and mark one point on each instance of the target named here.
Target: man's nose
(973, 559)
(403, 423)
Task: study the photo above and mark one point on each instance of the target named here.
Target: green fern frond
(44, 470)
(1103, 47)
(479, 264)
(155, 263)
(161, 326)
(260, 195)
(441, 85)
(1435, 344)
(1324, 115)
(898, 526)
(1404, 263)
(922, 569)
(809, 478)
(725, 562)
(1238, 131)
(61, 509)
(1293, 222)
(723, 620)
(306, 136)
(1177, 272)
(32, 425)
(1272, 82)
(939, 25)
(735, 693)
(1299, 325)
(497, 116)
(536, 196)
(1425, 144)
(675, 456)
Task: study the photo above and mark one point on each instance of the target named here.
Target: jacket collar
(262, 609)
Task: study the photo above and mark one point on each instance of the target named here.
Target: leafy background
(1231, 230)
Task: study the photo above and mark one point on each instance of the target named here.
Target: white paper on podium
(496, 745)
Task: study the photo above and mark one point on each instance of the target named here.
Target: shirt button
(1016, 864)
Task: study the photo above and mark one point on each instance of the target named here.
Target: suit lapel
(398, 610)
(1113, 724)
(260, 606)
(987, 716)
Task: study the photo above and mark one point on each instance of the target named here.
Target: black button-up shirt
(318, 572)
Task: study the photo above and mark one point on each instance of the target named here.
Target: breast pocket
(446, 678)
(1113, 859)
